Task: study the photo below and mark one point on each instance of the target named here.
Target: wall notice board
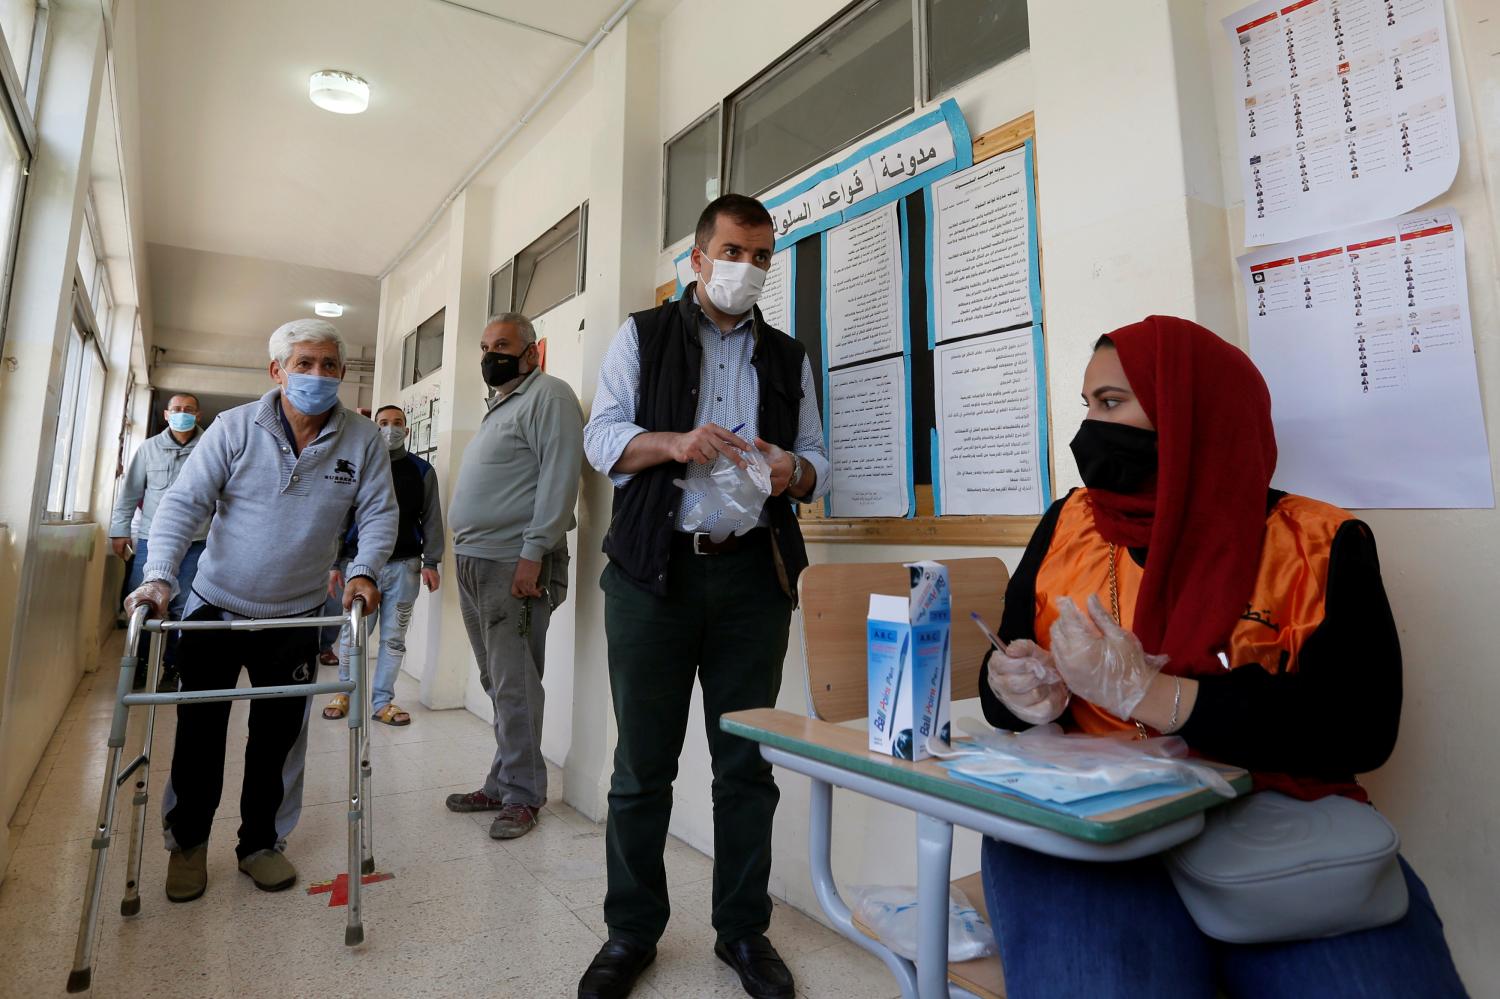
(808, 283)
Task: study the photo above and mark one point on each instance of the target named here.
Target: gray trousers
(511, 656)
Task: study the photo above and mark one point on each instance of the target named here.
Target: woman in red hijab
(1179, 593)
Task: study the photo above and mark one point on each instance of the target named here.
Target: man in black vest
(679, 605)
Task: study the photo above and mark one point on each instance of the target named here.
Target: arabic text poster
(1344, 110)
(868, 421)
(990, 458)
(982, 277)
(776, 296)
(863, 292)
(1364, 338)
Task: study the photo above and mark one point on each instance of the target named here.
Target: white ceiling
(237, 160)
(210, 295)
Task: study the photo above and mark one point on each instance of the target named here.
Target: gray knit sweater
(277, 515)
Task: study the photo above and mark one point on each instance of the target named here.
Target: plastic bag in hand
(892, 914)
(735, 494)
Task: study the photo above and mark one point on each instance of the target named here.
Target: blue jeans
(400, 582)
(1072, 928)
(185, 575)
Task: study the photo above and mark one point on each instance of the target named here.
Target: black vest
(406, 473)
(645, 509)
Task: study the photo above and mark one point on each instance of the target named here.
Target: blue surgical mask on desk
(311, 394)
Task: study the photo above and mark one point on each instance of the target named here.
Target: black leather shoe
(613, 971)
(762, 971)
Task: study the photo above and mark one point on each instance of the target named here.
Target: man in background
(153, 469)
(511, 513)
(413, 563)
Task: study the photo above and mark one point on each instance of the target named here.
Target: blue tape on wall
(903, 220)
(1044, 444)
(1031, 238)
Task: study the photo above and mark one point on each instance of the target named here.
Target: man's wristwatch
(796, 478)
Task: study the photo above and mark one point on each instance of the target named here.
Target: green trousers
(724, 620)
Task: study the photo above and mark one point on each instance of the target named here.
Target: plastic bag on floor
(892, 913)
(729, 501)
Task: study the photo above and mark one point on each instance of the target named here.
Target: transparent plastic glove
(1026, 681)
(1101, 661)
(735, 494)
(154, 595)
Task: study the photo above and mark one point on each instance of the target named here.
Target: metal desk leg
(820, 812)
(934, 857)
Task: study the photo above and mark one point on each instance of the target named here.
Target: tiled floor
(464, 916)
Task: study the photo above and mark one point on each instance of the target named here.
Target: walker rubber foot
(130, 906)
(78, 981)
(368, 867)
(354, 935)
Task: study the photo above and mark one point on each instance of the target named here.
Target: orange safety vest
(1286, 606)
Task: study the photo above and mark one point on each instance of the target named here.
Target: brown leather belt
(699, 543)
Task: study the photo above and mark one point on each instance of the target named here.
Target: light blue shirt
(728, 395)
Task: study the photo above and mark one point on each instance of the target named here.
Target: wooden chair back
(835, 601)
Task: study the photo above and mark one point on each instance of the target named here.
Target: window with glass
(18, 19)
(692, 176)
(422, 349)
(550, 270)
(75, 446)
(18, 143)
(967, 37)
(848, 79)
(840, 85)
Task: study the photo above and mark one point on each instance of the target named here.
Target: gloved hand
(155, 595)
(1101, 661)
(1026, 681)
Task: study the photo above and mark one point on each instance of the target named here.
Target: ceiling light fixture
(337, 91)
(329, 310)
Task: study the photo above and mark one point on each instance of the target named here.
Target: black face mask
(1115, 457)
(499, 368)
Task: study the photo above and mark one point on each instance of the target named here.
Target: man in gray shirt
(280, 475)
(511, 511)
(153, 469)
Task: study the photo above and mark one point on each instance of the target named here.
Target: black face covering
(499, 368)
(1115, 457)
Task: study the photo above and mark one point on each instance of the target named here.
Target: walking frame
(361, 855)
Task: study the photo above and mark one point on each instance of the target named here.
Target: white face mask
(394, 437)
(734, 286)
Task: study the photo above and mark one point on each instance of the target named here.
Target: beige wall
(1134, 220)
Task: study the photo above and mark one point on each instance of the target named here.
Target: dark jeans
(1072, 928)
(724, 620)
(209, 660)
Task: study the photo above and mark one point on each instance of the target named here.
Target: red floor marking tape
(338, 888)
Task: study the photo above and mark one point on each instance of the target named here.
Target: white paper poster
(683, 265)
(982, 248)
(1364, 338)
(868, 445)
(1344, 110)
(987, 426)
(862, 261)
(776, 297)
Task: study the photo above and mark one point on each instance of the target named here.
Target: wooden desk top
(848, 748)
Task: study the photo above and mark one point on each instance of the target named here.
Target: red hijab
(1205, 520)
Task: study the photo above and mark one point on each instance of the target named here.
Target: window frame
(18, 114)
(923, 96)
(719, 109)
(82, 325)
(580, 265)
(765, 77)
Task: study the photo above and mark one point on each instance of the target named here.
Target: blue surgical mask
(182, 422)
(311, 394)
